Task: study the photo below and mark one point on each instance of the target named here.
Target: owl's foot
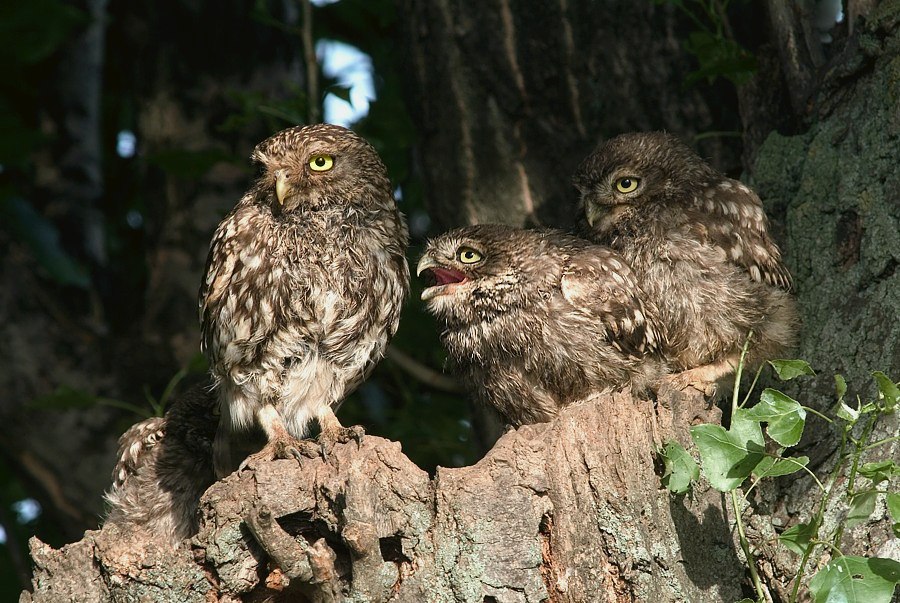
(286, 447)
(339, 435)
(690, 378)
(703, 378)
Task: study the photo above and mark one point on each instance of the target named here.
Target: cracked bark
(566, 511)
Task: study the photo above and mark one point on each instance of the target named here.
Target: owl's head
(478, 272)
(192, 419)
(318, 166)
(633, 174)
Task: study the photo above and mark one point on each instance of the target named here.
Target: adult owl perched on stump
(303, 288)
(164, 467)
(699, 243)
(535, 320)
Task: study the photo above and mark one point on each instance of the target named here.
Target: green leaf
(189, 164)
(840, 386)
(861, 508)
(65, 398)
(856, 580)
(893, 505)
(728, 457)
(846, 413)
(342, 92)
(747, 428)
(680, 468)
(42, 239)
(785, 416)
(789, 369)
(796, 538)
(772, 467)
(197, 364)
(719, 56)
(880, 471)
(39, 28)
(888, 390)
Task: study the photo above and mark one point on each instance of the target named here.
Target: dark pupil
(626, 183)
(320, 161)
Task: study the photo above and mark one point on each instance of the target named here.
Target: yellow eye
(627, 184)
(321, 163)
(467, 255)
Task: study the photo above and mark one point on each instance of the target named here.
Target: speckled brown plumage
(165, 465)
(303, 289)
(540, 319)
(700, 246)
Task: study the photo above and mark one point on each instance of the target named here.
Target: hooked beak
(282, 188)
(425, 263)
(592, 212)
(444, 279)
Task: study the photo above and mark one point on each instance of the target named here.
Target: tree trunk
(566, 511)
(509, 97)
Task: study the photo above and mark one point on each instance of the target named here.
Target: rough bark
(566, 511)
(509, 97)
(836, 191)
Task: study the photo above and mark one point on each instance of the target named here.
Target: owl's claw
(689, 378)
(282, 448)
(340, 435)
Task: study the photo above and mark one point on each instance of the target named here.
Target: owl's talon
(683, 380)
(340, 435)
(281, 448)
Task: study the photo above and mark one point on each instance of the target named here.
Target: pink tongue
(445, 276)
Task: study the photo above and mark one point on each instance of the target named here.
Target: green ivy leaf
(680, 468)
(785, 416)
(728, 457)
(880, 471)
(846, 413)
(719, 56)
(796, 538)
(840, 386)
(861, 508)
(893, 505)
(888, 389)
(342, 92)
(856, 580)
(65, 398)
(41, 237)
(197, 364)
(789, 369)
(183, 163)
(775, 467)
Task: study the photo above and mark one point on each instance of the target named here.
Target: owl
(536, 319)
(165, 465)
(303, 289)
(700, 247)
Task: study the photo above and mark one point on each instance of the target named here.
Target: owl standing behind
(535, 320)
(303, 289)
(700, 246)
(164, 467)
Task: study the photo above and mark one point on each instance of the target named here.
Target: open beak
(427, 262)
(282, 188)
(444, 279)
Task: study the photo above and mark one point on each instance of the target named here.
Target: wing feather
(600, 283)
(734, 221)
